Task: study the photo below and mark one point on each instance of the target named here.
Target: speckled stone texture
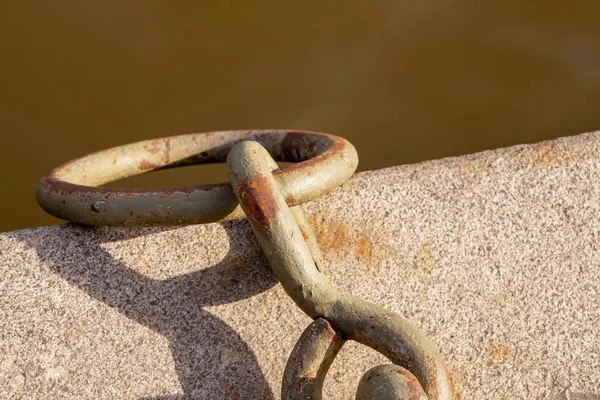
(495, 255)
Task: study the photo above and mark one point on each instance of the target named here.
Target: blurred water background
(404, 81)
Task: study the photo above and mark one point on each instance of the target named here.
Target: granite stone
(495, 255)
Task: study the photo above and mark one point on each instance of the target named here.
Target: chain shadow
(203, 346)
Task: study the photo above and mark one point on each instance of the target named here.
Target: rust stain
(260, 203)
(432, 375)
(72, 333)
(331, 235)
(500, 352)
(365, 250)
(456, 377)
(304, 232)
(549, 153)
(145, 165)
(153, 147)
(166, 153)
(162, 147)
(542, 155)
(549, 156)
(337, 237)
(425, 258)
(414, 387)
(289, 199)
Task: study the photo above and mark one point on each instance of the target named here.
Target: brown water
(404, 81)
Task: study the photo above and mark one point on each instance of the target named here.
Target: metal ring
(69, 191)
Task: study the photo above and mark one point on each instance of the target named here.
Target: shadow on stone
(211, 359)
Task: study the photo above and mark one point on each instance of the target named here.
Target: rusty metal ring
(70, 191)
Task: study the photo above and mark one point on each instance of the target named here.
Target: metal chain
(270, 199)
(281, 239)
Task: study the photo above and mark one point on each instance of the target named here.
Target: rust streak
(456, 378)
(330, 235)
(153, 147)
(500, 352)
(289, 199)
(260, 203)
(414, 387)
(166, 153)
(425, 257)
(145, 165)
(337, 237)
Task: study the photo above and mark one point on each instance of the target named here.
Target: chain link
(278, 233)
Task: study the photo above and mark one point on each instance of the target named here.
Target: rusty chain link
(270, 199)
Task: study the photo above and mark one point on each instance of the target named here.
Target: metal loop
(262, 199)
(314, 353)
(69, 191)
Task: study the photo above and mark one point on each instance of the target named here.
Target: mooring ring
(71, 191)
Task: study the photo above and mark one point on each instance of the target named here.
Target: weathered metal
(270, 198)
(310, 360)
(289, 255)
(70, 191)
(314, 353)
(389, 382)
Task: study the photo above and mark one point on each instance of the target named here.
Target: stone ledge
(495, 255)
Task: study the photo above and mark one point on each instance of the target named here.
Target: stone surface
(495, 255)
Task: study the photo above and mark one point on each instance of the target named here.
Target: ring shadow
(199, 341)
